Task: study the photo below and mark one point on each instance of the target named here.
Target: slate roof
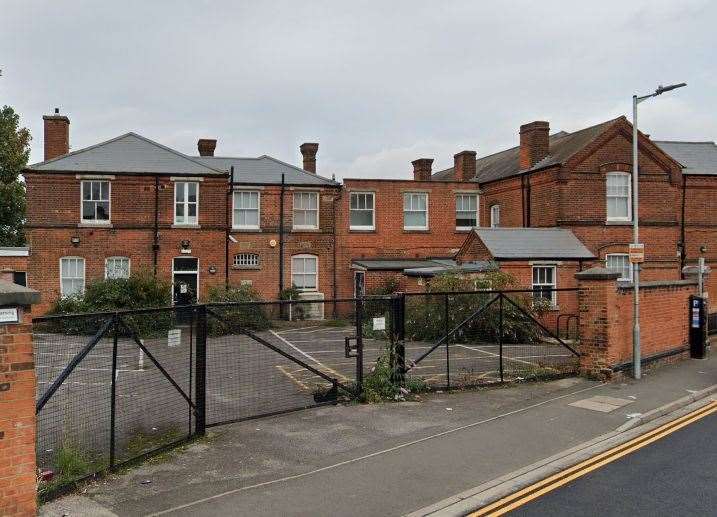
(476, 266)
(265, 170)
(505, 163)
(696, 157)
(532, 243)
(393, 264)
(127, 154)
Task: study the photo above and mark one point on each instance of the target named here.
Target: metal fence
(116, 387)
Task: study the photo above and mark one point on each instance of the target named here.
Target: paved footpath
(388, 459)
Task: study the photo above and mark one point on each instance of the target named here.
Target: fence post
(500, 333)
(398, 317)
(448, 340)
(113, 400)
(200, 376)
(359, 345)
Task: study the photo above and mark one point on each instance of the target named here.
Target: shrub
(426, 315)
(140, 290)
(298, 310)
(250, 316)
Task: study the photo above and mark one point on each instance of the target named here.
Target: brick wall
(8, 265)
(17, 419)
(606, 313)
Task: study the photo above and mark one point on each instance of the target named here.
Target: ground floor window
(117, 267)
(620, 263)
(304, 272)
(72, 276)
(246, 260)
(544, 284)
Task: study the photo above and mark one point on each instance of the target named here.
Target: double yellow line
(548, 484)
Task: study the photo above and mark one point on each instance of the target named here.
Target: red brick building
(206, 221)
(14, 264)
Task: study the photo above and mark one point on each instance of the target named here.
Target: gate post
(200, 393)
(359, 345)
(398, 329)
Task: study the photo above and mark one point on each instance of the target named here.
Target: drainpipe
(333, 230)
(683, 248)
(522, 198)
(227, 224)
(281, 236)
(155, 241)
(527, 200)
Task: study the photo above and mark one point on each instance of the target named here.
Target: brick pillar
(18, 472)
(599, 320)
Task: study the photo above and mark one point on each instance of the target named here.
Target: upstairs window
(246, 209)
(306, 210)
(361, 211)
(305, 272)
(246, 260)
(117, 267)
(466, 211)
(618, 193)
(95, 202)
(186, 202)
(72, 276)
(620, 263)
(495, 216)
(544, 284)
(415, 211)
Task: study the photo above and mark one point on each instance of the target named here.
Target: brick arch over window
(616, 167)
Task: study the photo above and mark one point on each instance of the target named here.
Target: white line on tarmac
(295, 348)
(498, 355)
(297, 329)
(373, 454)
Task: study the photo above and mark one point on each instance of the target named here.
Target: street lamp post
(636, 227)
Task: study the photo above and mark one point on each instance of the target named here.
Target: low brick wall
(606, 319)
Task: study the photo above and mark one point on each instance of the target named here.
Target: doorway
(185, 280)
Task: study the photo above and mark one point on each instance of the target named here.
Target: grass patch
(71, 464)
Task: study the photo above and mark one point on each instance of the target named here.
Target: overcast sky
(376, 83)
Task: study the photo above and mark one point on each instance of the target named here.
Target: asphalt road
(676, 475)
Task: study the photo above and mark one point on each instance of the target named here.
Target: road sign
(637, 253)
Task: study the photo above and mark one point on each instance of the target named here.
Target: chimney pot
(308, 151)
(422, 169)
(206, 146)
(57, 135)
(464, 165)
(534, 143)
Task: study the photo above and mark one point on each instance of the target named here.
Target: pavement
(386, 459)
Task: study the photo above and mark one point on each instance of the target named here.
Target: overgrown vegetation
(71, 464)
(141, 290)
(298, 310)
(384, 382)
(14, 153)
(250, 316)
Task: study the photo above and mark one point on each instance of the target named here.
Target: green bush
(426, 315)
(249, 316)
(139, 291)
(298, 310)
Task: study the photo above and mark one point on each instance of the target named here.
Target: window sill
(362, 230)
(618, 223)
(305, 230)
(246, 229)
(95, 225)
(246, 268)
(465, 230)
(179, 225)
(416, 230)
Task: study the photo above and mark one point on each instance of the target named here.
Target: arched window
(246, 260)
(305, 272)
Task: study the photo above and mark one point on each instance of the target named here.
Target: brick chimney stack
(534, 145)
(308, 151)
(464, 165)
(422, 169)
(206, 146)
(57, 135)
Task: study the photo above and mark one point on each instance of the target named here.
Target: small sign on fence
(8, 315)
(379, 323)
(174, 337)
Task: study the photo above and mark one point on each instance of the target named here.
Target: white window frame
(83, 277)
(424, 194)
(237, 261)
(372, 226)
(95, 221)
(553, 284)
(628, 218)
(477, 213)
(306, 256)
(495, 216)
(626, 257)
(258, 210)
(301, 193)
(185, 203)
(129, 266)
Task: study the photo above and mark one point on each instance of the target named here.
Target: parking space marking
(290, 375)
(498, 355)
(310, 357)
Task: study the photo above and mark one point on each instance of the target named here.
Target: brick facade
(18, 473)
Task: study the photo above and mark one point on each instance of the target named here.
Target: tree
(14, 153)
